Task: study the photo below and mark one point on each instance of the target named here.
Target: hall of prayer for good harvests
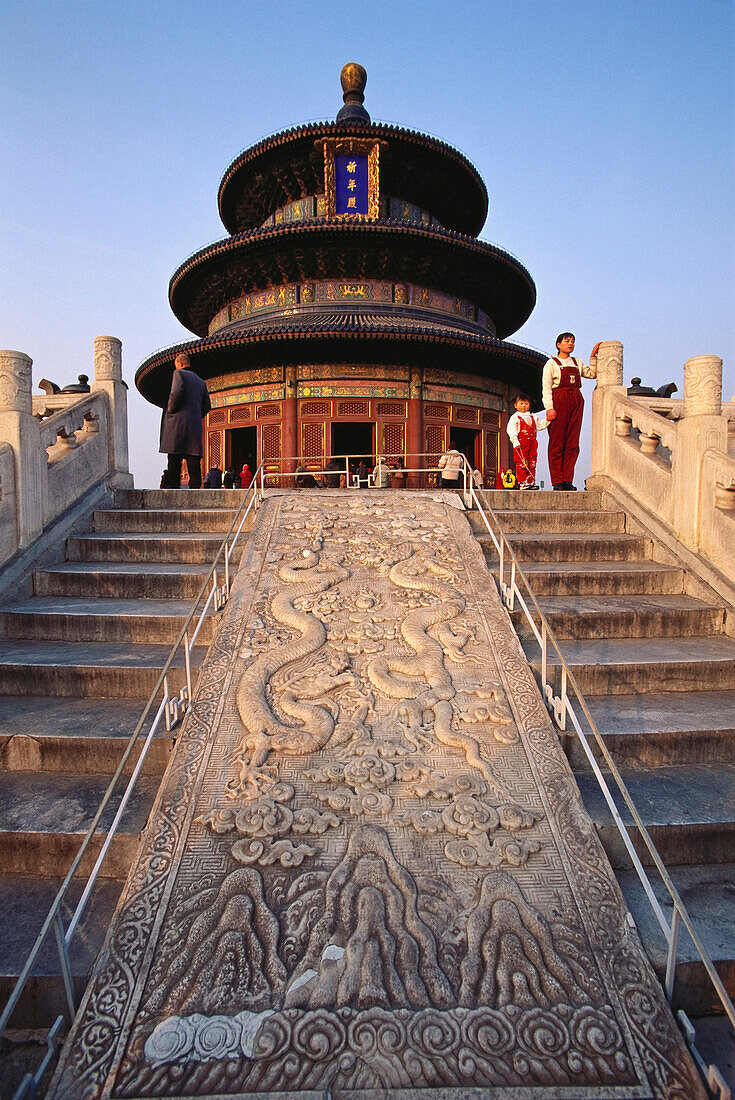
(352, 308)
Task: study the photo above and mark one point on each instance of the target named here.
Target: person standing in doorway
(562, 392)
(181, 424)
(451, 465)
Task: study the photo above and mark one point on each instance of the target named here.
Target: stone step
(74, 619)
(624, 666)
(688, 811)
(122, 521)
(96, 669)
(179, 499)
(121, 580)
(81, 735)
(574, 548)
(144, 548)
(664, 729)
(708, 892)
(542, 501)
(537, 522)
(634, 616)
(44, 816)
(25, 901)
(598, 578)
(715, 1035)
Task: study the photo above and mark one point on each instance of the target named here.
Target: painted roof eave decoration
(414, 166)
(277, 342)
(383, 249)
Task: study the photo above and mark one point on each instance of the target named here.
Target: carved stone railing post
(701, 426)
(610, 363)
(108, 377)
(609, 387)
(703, 386)
(21, 431)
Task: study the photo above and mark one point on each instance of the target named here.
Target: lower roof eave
(211, 356)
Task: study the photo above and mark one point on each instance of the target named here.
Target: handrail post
(65, 965)
(544, 657)
(167, 704)
(187, 659)
(501, 554)
(672, 954)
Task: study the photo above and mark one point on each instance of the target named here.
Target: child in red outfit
(522, 430)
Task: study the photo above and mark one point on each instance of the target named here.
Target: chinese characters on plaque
(351, 183)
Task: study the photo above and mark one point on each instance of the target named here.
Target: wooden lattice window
(264, 412)
(271, 441)
(491, 419)
(390, 408)
(312, 439)
(434, 441)
(354, 408)
(492, 456)
(465, 415)
(316, 408)
(438, 412)
(239, 414)
(394, 438)
(215, 449)
(216, 418)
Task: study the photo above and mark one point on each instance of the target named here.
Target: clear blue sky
(604, 132)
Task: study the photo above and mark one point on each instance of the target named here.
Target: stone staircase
(657, 667)
(78, 660)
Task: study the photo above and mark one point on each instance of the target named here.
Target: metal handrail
(378, 459)
(561, 708)
(172, 709)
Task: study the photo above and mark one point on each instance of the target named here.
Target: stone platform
(368, 871)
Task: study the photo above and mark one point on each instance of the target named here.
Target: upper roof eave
(442, 179)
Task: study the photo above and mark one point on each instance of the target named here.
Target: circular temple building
(352, 309)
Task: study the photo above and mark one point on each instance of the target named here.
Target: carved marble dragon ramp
(368, 872)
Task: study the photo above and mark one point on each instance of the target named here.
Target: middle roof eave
(351, 251)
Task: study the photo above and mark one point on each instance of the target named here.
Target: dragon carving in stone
(426, 630)
(264, 732)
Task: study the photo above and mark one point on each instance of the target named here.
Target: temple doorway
(356, 438)
(241, 446)
(468, 442)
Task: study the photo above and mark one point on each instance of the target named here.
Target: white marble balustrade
(56, 448)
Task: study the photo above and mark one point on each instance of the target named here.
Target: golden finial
(353, 79)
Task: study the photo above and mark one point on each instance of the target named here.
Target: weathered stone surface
(368, 871)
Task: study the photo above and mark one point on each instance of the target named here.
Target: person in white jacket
(522, 429)
(450, 464)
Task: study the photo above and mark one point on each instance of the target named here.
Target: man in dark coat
(181, 424)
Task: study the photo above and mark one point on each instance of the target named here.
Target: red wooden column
(415, 443)
(289, 444)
